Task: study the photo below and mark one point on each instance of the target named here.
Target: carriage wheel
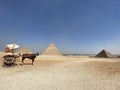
(9, 61)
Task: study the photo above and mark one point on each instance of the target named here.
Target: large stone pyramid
(104, 54)
(25, 50)
(52, 50)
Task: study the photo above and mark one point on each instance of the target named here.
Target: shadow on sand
(26, 64)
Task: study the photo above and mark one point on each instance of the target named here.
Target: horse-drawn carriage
(10, 57)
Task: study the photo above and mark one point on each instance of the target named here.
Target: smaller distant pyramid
(104, 54)
(25, 50)
(52, 50)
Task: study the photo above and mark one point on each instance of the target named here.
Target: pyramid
(52, 50)
(104, 54)
(25, 50)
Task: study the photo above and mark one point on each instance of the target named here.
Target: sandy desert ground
(62, 73)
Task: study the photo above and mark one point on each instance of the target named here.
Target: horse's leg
(32, 61)
(23, 60)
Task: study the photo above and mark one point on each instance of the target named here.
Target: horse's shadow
(25, 64)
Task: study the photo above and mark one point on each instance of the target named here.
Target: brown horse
(29, 56)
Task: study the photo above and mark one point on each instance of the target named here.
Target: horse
(29, 56)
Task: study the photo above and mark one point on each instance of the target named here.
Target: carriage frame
(10, 57)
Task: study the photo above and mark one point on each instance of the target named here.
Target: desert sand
(62, 73)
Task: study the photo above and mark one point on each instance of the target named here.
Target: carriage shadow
(8, 66)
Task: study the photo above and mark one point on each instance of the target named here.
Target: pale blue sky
(74, 26)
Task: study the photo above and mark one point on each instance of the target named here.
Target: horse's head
(37, 54)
